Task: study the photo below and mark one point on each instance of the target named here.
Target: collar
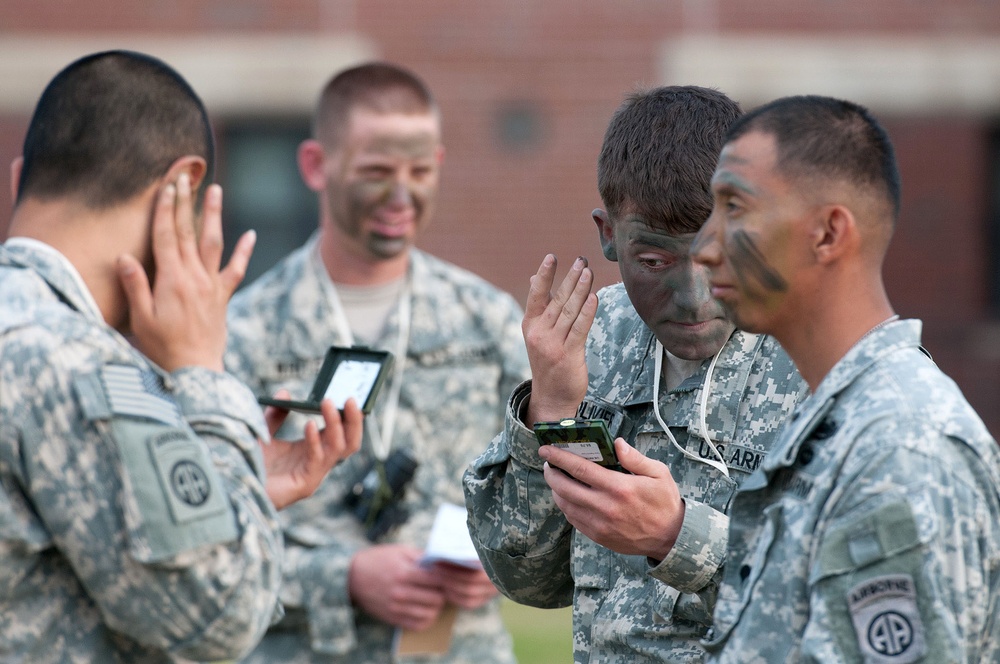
(57, 271)
(874, 346)
(729, 380)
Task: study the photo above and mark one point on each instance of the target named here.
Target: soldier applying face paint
(693, 403)
(871, 531)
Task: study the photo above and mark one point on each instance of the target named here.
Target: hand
(296, 468)
(555, 330)
(464, 587)
(638, 514)
(181, 320)
(388, 582)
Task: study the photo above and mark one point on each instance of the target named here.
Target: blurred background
(527, 88)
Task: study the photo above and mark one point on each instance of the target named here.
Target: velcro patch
(136, 392)
(886, 619)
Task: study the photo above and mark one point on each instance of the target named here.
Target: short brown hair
(659, 153)
(375, 86)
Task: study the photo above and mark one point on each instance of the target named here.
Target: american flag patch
(132, 391)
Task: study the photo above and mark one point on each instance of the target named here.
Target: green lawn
(541, 636)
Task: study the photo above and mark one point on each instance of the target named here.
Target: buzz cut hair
(829, 138)
(659, 152)
(107, 126)
(378, 87)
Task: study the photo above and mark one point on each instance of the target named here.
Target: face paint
(750, 264)
(668, 290)
(749, 242)
(381, 190)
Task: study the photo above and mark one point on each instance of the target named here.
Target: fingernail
(183, 182)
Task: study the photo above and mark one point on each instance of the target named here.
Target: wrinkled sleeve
(693, 564)
(522, 538)
(907, 563)
(165, 521)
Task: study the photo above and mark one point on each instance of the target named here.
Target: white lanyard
(381, 437)
(718, 463)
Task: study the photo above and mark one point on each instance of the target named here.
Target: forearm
(521, 536)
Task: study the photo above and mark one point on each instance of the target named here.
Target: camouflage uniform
(133, 520)
(465, 355)
(620, 613)
(872, 531)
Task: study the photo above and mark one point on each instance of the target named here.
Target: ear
(193, 165)
(606, 234)
(835, 232)
(311, 158)
(15, 176)
(439, 155)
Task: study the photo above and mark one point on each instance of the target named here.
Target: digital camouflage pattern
(465, 355)
(133, 520)
(624, 610)
(872, 531)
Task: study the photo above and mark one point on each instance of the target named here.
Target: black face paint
(748, 262)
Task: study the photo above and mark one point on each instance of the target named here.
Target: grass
(541, 636)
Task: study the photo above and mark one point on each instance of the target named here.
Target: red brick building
(527, 89)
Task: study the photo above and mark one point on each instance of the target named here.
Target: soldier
(353, 574)
(134, 524)
(694, 404)
(872, 530)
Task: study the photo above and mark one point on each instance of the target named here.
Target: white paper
(450, 540)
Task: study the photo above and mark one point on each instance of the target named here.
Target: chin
(699, 347)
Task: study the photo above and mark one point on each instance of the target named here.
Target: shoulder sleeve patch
(177, 500)
(135, 392)
(886, 619)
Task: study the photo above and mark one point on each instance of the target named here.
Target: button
(824, 429)
(745, 572)
(805, 455)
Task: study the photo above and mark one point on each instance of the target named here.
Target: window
(263, 190)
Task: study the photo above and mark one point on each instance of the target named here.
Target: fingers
(274, 416)
(187, 237)
(165, 249)
(567, 302)
(210, 244)
(341, 436)
(236, 268)
(135, 283)
(354, 422)
(638, 463)
(541, 285)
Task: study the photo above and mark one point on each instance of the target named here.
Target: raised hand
(181, 320)
(555, 330)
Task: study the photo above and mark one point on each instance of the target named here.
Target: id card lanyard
(381, 436)
(719, 462)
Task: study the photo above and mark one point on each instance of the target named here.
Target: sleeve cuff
(520, 437)
(699, 551)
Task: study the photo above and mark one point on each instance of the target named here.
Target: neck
(92, 241)
(348, 265)
(816, 341)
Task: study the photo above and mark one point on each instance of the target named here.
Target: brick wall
(554, 71)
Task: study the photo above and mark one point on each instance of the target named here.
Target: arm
(186, 563)
(905, 529)
(521, 536)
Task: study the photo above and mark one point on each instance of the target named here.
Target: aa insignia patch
(886, 620)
